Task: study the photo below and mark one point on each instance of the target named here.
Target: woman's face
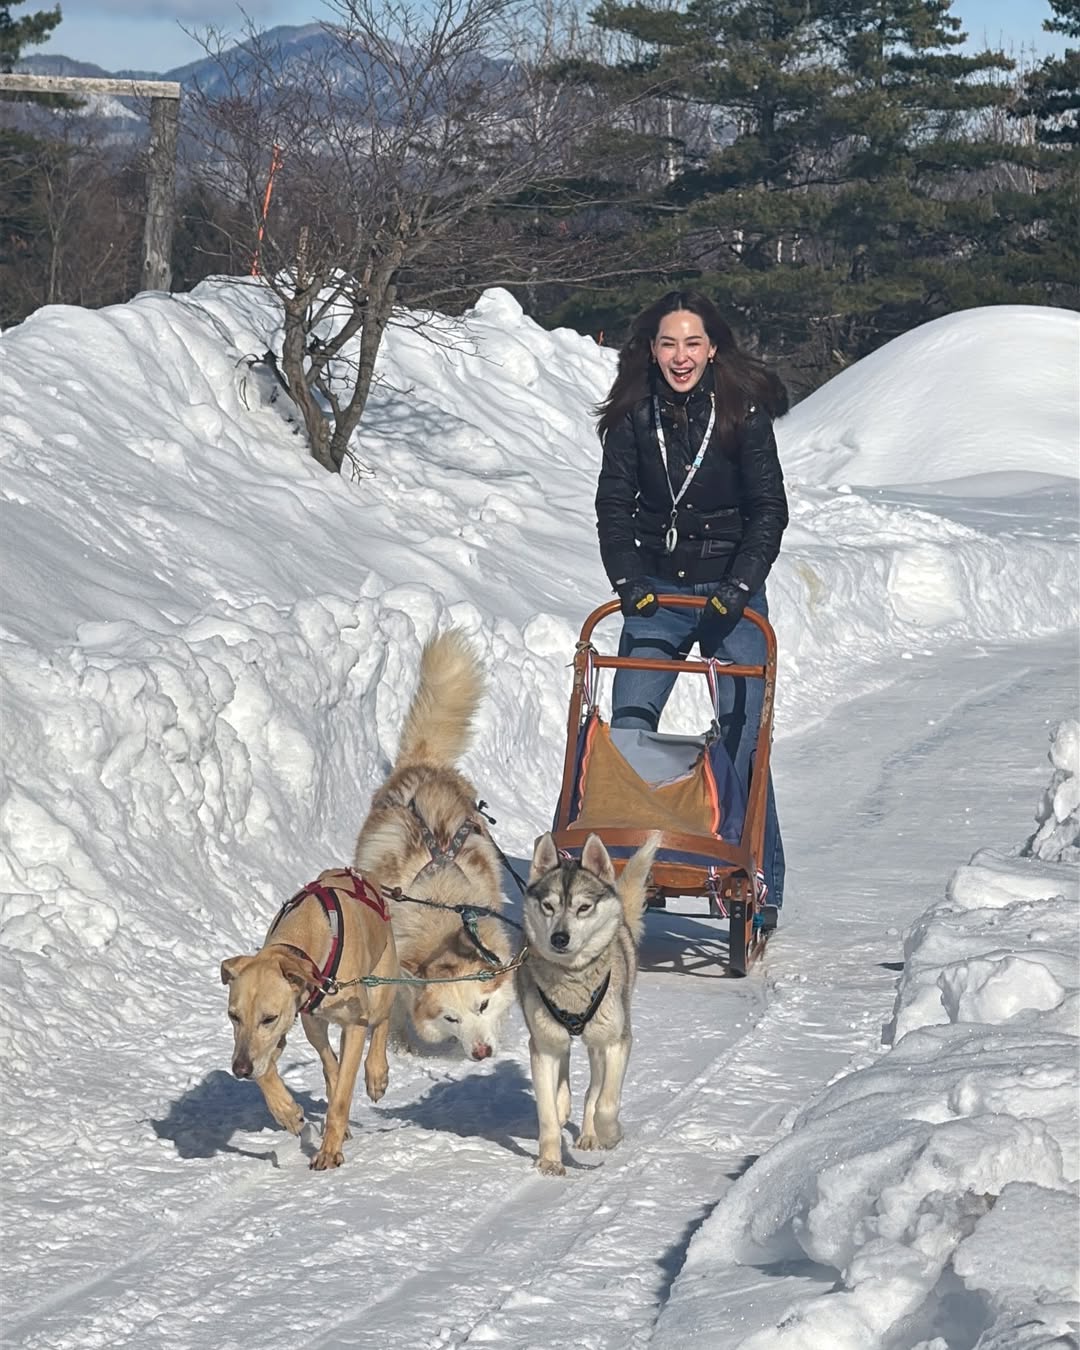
(682, 349)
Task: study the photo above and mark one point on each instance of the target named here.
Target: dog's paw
(550, 1167)
(376, 1087)
(293, 1121)
(587, 1142)
(608, 1134)
(327, 1158)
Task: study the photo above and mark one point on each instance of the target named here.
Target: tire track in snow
(526, 1240)
(432, 1237)
(146, 1245)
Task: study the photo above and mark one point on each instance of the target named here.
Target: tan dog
(332, 933)
(424, 835)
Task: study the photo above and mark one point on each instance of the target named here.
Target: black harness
(574, 1022)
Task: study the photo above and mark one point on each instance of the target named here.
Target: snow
(209, 644)
(893, 1176)
(984, 394)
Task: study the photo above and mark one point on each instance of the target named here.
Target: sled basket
(644, 780)
(622, 784)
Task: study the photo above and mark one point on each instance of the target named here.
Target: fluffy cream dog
(425, 835)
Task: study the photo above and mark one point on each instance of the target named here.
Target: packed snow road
(201, 1226)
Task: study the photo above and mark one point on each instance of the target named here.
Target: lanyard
(671, 538)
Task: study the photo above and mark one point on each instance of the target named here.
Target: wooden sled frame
(734, 879)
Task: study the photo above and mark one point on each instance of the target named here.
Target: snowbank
(983, 391)
(937, 1182)
(208, 647)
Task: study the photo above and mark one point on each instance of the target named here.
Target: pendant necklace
(671, 538)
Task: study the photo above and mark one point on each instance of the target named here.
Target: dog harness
(325, 889)
(575, 1023)
(441, 857)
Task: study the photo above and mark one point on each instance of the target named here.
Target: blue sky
(148, 34)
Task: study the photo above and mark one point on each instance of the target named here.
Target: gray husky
(583, 928)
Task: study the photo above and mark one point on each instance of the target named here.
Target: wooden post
(160, 194)
(164, 96)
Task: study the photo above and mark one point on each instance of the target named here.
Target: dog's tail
(633, 883)
(439, 719)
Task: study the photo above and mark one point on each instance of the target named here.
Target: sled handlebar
(698, 666)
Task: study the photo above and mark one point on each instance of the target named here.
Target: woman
(691, 500)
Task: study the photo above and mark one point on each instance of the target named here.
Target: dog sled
(622, 784)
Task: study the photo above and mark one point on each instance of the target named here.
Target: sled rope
(713, 886)
(588, 673)
(468, 915)
(369, 981)
(481, 807)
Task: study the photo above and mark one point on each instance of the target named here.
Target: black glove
(637, 599)
(722, 612)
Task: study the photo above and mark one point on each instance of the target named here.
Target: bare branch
(414, 143)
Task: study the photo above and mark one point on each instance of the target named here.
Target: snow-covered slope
(985, 394)
(209, 644)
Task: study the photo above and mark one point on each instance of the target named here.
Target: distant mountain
(290, 46)
(291, 53)
(64, 65)
(293, 45)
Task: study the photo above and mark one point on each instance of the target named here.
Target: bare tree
(81, 215)
(408, 141)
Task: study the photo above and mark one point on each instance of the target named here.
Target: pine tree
(22, 158)
(847, 193)
(915, 215)
(1052, 90)
(29, 31)
(1048, 256)
(735, 89)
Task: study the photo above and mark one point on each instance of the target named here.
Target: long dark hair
(739, 378)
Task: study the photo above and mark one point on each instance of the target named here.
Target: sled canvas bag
(646, 780)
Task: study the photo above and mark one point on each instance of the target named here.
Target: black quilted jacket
(731, 517)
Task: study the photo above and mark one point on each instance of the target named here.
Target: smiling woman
(690, 501)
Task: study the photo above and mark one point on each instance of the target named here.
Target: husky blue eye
(584, 909)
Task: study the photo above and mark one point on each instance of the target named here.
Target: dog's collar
(325, 889)
(575, 1023)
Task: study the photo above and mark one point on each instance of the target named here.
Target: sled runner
(621, 784)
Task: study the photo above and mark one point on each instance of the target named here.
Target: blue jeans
(638, 696)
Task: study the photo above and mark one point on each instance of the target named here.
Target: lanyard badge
(671, 537)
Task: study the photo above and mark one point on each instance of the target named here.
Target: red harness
(324, 889)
